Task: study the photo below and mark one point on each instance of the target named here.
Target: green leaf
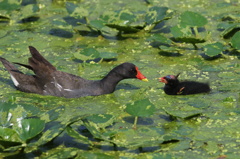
(29, 128)
(213, 49)
(101, 120)
(183, 111)
(29, 10)
(71, 7)
(87, 54)
(160, 38)
(60, 152)
(184, 34)
(127, 16)
(7, 134)
(52, 114)
(55, 128)
(10, 5)
(124, 20)
(169, 49)
(97, 24)
(76, 11)
(71, 132)
(141, 108)
(156, 14)
(96, 155)
(141, 137)
(235, 41)
(230, 30)
(192, 19)
(120, 27)
(179, 31)
(108, 55)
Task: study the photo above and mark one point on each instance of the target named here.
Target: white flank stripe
(68, 90)
(14, 80)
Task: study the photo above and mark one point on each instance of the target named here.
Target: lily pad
(235, 41)
(71, 132)
(160, 38)
(103, 119)
(184, 34)
(29, 128)
(87, 54)
(9, 135)
(230, 30)
(179, 31)
(108, 55)
(60, 152)
(169, 49)
(213, 49)
(29, 11)
(156, 14)
(192, 19)
(140, 108)
(9, 6)
(183, 111)
(76, 11)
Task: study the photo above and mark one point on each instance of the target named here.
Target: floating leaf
(156, 14)
(96, 125)
(192, 19)
(29, 128)
(76, 11)
(108, 55)
(55, 128)
(160, 38)
(8, 134)
(142, 137)
(230, 30)
(52, 114)
(169, 49)
(96, 155)
(179, 31)
(124, 20)
(9, 5)
(235, 41)
(60, 152)
(141, 108)
(101, 120)
(71, 132)
(87, 54)
(183, 111)
(213, 49)
(29, 10)
(97, 24)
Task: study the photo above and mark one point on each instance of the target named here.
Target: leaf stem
(196, 31)
(135, 122)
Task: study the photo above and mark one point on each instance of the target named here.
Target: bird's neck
(110, 81)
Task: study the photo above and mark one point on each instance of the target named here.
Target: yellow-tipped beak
(145, 80)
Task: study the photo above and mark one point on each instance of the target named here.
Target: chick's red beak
(163, 80)
(141, 76)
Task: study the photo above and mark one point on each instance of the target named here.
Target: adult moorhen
(174, 87)
(49, 81)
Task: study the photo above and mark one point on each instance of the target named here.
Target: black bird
(49, 81)
(174, 87)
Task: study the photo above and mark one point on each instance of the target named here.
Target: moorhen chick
(49, 81)
(174, 87)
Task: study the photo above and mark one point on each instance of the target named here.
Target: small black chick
(174, 87)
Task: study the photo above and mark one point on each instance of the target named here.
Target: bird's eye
(132, 70)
